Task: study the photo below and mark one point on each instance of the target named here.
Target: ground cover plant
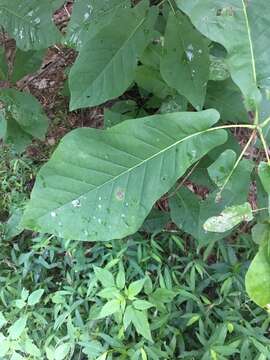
(135, 198)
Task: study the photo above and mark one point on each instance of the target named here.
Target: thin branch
(238, 161)
(264, 145)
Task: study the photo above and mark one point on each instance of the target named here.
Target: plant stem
(263, 124)
(264, 145)
(261, 209)
(184, 180)
(237, 161)
(161, 3)
(253, 127)
(171, 5)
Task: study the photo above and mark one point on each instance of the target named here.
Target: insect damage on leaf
(229, 218)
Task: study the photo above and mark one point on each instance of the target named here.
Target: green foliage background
(91, 267)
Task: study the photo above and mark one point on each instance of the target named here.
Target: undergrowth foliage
(200, 71)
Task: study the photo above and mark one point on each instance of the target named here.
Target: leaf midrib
(253, 62)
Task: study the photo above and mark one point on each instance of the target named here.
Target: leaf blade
(143, 158)
(110, 58)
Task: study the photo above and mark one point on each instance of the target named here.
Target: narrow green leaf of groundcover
(258, 277)
(142, 304)
(243, 28)
(89, 17)
(32, 349)
(135, 288)
(106, 64)
(29, 23)
(229, 218)
(121, 276)
(2, 320)
(61, 351)
(139, 320)
(18, 327)
(185, 61)
(13, 226)
(109, 308)
(101, 184)
(35, 297)
(104, 276)
(21, 118)
(226, 97)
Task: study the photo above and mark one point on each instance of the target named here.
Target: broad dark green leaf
(264, 173)
(173, 104)
(226, 97)
(107, 62)
(261, 233)
(185, 62)
(101, 184)
(258, 277)
(89, 17)
(152, 55)
(26, 62)
(119, 112)
(29, 22)
(221, 168)
(155, 221)
(149, 79)
(21, 118)
(3, 64)
(243, 28)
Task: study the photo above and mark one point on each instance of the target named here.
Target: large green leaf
(185, 62)
(258, 277)
(107, 63)
(243, 28)
(21, 118)
(89, 17)
(101, 184)
(29, 22)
